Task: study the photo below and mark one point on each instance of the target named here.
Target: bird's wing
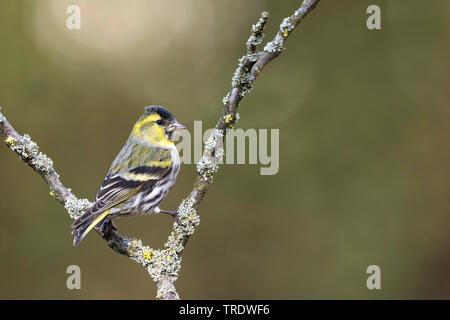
(121, 187)
(125, 185)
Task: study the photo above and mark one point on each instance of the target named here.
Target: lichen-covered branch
(164, 265)
(249, 67)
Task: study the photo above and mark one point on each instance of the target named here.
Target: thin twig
(164, 264)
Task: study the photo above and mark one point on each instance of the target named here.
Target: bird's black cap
(163, 112)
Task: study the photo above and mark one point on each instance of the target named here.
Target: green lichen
(75, 207)
(159, 263)
(25, 147)
(164, 263)
(167, 262)
(42, 163)
(189, 221)
(276, 45)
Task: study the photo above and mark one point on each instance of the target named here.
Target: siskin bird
(140, 176)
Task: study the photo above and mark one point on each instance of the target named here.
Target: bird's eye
(159, 122)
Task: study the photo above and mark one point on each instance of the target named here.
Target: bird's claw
(173, 214)
(107, 227)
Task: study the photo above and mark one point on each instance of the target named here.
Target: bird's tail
(85, 223)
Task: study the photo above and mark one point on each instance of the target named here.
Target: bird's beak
(175, 126)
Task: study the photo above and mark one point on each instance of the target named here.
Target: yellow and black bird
(140, 176)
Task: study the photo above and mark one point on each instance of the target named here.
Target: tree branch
(163, 265)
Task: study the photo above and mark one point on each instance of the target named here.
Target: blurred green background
(364, 159)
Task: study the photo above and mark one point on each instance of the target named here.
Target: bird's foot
(174, 215)
(106, 227)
